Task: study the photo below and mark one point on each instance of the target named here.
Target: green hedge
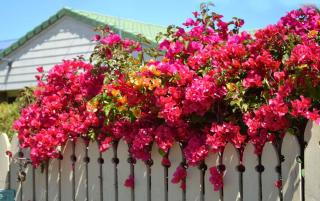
(9, 112)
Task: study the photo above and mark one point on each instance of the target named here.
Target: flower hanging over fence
(206, 85)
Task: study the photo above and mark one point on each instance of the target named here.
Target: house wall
(66, 39)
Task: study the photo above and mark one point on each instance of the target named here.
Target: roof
(127, 28)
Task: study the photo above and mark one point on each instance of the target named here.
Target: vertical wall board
(123, 171)
(290, 168)
(109, 175)
(94, 172)
(80, 171)
(193, 184)
(40, 180)
(66, 173)
(4, 160)
(312, 162)
(140, 175)
(269, 176)
(14, 167)
(231, 177)
(210, 194)
(27, 185)
(157, 176)
(250, 175)
(175, 157)
(53, 180)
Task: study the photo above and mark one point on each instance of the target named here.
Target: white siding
(66, 39)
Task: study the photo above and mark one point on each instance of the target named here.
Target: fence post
(4, 161)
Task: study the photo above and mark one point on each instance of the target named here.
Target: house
(65, 35)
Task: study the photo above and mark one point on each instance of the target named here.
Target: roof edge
(54, 18)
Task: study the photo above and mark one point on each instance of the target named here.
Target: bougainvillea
(206, 85)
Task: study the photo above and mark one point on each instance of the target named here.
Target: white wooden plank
(108, 176)
(174, 192)
(210, 194)
(123, 171)
(40, 179)
(231, 177)
(269, 176)
(312, 165)
(157, 176)
(53, 180)
(290, 169)
(193, 184)
(94, 172)
(140, 174)
(250, 176)
(66, 173)
(14, 167)
(4, 160)
(27, 185)
(80, 173)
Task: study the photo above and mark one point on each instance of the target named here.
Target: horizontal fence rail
(85, 174)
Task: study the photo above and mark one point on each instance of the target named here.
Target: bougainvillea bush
(206, 84)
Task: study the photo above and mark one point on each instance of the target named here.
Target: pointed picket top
(94, 172)
(4, 160)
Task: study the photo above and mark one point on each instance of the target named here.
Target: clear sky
(17, 17)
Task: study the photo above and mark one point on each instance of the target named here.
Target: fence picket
(174, 191)
(193, 184)
(66, 173)
(210, 194)
(123, 171)
(250, 175)
(40, 179)
(27, 185)
(157, 176)
(4, 160)
(231, 177)
(14, 167)
(269, 175)
(53, 180)
(290, 169)
(94, 172)
(80, 172)
(108, 176)
(140, 175)
(312, 165)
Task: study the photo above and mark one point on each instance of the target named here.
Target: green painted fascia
(127, 28)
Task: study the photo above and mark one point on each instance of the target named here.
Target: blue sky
(19, 16)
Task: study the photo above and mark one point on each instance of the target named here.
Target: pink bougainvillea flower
(105, 144)
(40, 69)
(9, 153)
(129, 182)
(216, 178)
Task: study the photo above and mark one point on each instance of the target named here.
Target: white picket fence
(84, 174)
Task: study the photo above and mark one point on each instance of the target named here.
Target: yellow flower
(122, 100)
(136, 112)
(121, 108)
(92, 106)
(115, 92)
(231, 86)
(312, 33)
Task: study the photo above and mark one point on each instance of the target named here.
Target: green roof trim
(127, 28)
